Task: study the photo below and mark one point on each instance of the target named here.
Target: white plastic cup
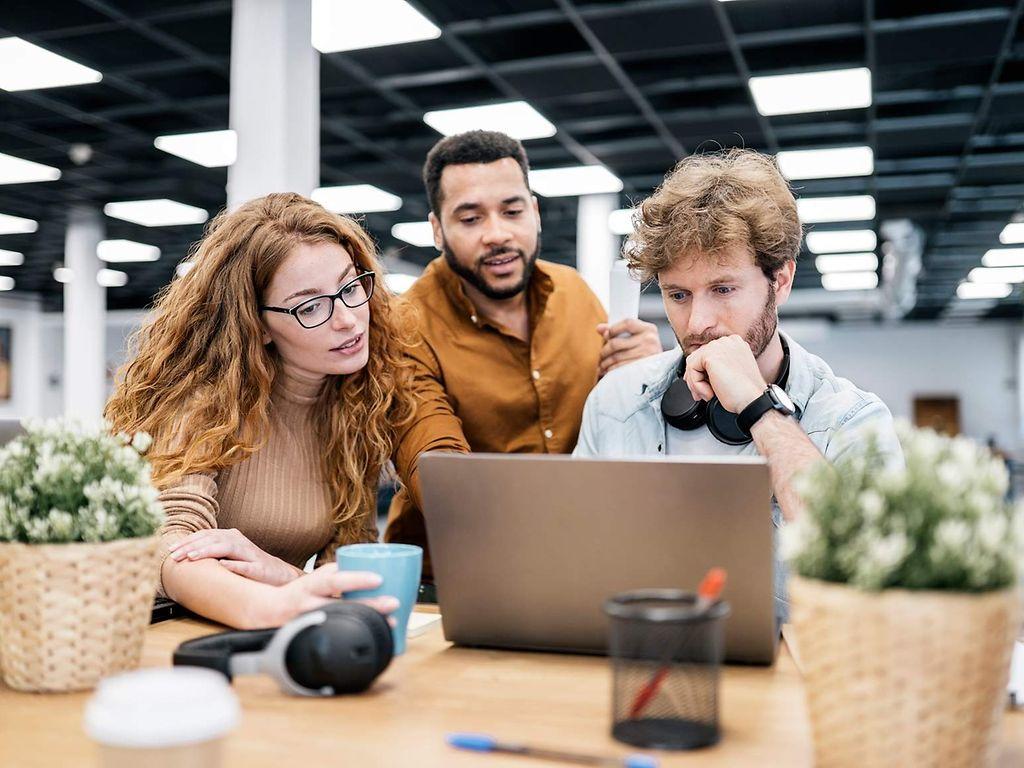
(174, 717)
(623, 294)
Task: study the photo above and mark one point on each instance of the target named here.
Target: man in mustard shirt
(510, 345)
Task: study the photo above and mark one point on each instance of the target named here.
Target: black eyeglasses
(320, 309)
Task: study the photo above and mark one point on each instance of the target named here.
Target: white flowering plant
(66, 481)
(941, 522)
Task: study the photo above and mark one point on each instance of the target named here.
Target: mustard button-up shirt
(480, 388)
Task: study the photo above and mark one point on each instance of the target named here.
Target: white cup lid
(164, 707)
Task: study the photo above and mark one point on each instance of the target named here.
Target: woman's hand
(315, 589)
(237, 554)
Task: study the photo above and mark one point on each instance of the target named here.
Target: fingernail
(191, 555)
(177, 555)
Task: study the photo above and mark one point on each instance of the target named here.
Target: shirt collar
(801, 377)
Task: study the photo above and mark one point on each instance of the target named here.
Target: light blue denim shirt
(622, 417)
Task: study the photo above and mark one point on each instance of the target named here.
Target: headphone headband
(682, 411)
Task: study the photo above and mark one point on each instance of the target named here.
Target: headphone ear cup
(347, 652)
(378, 626)
(680, 409)
(724, 426)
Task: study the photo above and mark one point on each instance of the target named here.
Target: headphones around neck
(682, 411)
(339, 648)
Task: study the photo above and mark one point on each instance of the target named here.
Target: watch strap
(749, 415)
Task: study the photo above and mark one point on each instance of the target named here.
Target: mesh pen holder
(666, 655)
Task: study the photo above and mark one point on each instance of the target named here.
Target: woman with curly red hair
(272, 379)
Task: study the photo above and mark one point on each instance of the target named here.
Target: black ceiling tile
(355, 104)
(1008, 106)
(922, 142)
(535, 42)
(448, 11)
(704, 99)
(614, 108)
(958, 43)
(660, 29)
(409, 58)
(211, 35)
(773, 15)
(560, 82)
(812, 55)
(655, 71)
(466, 93)
(197, 84)
(932, 73)
(925, 109)
(96, 98)
(903, 9)
(23, 18)
(114, 49)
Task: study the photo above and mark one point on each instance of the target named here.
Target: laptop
(527, 548)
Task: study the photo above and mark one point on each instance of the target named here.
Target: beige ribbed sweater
(276, 497)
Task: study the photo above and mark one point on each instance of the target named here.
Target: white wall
(976, 363)
(23, 315)
(120, 324)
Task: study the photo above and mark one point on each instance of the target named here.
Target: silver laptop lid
(527, 548)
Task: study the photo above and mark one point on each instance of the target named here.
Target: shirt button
(536, 375)
(548, 434)
(473, 318)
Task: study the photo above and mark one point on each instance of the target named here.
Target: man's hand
(638, 339)
(236, 553)
(725, 368)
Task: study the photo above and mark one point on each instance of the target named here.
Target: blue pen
(478, 742)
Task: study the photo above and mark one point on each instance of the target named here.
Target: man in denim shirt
(721, 236)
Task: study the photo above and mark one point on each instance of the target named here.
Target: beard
(758, 336)
(475, 276)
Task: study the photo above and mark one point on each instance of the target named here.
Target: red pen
(707, 593)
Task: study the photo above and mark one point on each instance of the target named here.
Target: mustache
(699, 340)
(501, 251)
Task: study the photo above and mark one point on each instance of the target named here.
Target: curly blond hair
(199, 377)
(711, 201)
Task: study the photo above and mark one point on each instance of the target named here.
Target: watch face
(782, 398)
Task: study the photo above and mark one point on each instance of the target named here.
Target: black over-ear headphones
(682, 411)
(339, 648)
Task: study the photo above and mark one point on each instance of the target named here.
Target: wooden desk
(434, 689)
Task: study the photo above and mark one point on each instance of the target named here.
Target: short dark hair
(465, 148)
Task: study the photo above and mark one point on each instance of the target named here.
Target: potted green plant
(78, 554)
(905, 603)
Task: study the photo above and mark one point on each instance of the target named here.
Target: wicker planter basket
(73, 613)
(901, 678)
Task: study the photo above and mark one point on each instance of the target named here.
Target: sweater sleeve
(189, 506)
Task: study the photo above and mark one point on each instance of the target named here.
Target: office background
(629, 86)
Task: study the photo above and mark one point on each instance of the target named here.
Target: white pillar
(1020, 388)
(275, 99)
(596, 246)
(85, 310)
